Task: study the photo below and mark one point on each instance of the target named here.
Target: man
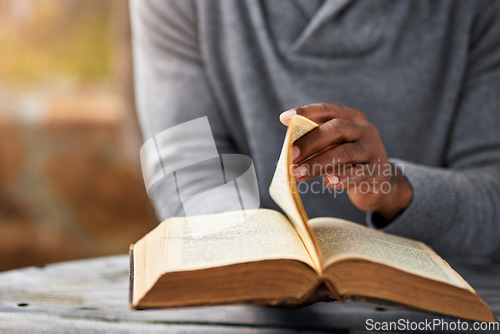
(408, 87)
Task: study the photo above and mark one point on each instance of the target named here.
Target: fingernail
(300, 171)
(295, 153)
(333, 179)
(286, 116)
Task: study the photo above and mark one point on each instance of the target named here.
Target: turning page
(284, 191)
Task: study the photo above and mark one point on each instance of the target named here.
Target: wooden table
(91, 296)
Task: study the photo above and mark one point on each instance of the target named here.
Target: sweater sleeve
(170, 82)
(456, 208)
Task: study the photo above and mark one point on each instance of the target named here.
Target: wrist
(398, 198)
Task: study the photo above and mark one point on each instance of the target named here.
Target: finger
(360, 176)
(347, 178)
(286, 116)
(321, 113)
(334, 132)
(331, 160)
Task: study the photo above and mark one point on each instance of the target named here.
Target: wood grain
(91, 296)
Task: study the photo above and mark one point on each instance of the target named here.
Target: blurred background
(70, 180)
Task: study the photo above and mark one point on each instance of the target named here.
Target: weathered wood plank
(44, 323)
(91, 295)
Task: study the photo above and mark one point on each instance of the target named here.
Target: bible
(269, 258)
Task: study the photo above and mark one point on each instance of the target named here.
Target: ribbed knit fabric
(430, 215)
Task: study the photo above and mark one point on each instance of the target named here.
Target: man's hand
(347, 151)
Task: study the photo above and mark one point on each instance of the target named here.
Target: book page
(283, 189)
(340, 239)
(262, 235)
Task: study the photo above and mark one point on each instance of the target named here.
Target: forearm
(172, 89)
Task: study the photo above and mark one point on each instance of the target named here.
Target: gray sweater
(426, 74)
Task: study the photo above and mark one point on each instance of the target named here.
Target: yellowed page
(147, 261)
(284, 191)
(262, 235)
(340, 239)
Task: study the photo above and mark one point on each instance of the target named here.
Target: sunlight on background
(70, 183)
(61, 40)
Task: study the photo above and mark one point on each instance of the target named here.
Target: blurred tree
(70, 183)
(45, 39)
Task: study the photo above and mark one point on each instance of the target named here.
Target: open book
(272, 259)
